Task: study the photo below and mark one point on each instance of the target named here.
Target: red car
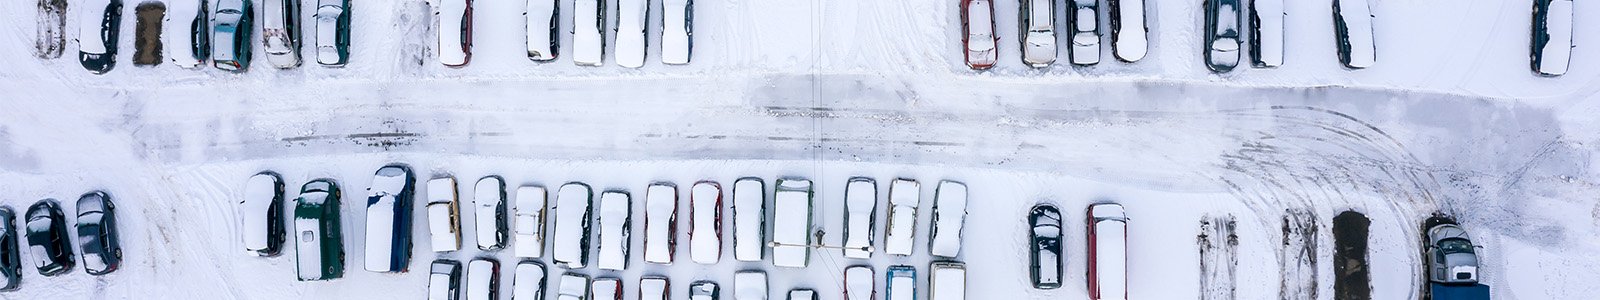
(1108, 252)
(977, 25)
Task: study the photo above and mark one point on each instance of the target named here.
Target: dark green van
(318, 243)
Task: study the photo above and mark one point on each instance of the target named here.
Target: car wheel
(118, 254)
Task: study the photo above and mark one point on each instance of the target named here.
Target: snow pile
(750, 285)
(452, 42)
(571, 240)
(529, 281)
(749, 219)
(615, 218)
(529, 240)
(630, 32)
(904, 196)
(1130, 43)
(705, 238)
(442, 214)
(259, 194)
(858, 283)
(489, 196)
(861, 203)
(949, 214)
(661, 215)
(791, 224)
(676, 40)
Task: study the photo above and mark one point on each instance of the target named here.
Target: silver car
(1451, 255)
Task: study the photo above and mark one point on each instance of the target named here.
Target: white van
(443, 216)
(489, 199)
(616, 211)
(661, 223)
(749, 219)
(705, 232)
(861, 209)
(904, 197)
(571, 239)
(630, 32)
(529, 218)
(791, 230)
(949, 216)
(455, 32)
(589, 32)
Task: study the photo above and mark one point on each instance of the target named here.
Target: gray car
(1451, 255)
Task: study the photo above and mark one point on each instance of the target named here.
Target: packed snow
(529, 222)
(949, 216)
(661, 215)
(442, 221)
(615, 217)
(791, 225)
(905, 197)
(860, 201)
(705, 237)
(489, 197)
(749, 219)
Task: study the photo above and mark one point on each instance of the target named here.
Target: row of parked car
(589, 32)
(1224, 35)
(48, 242)
(482, 281)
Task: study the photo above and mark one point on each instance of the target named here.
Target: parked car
(232, 25)
(750, 285)
(10, 253)
(977, 27)
(631, 43)
(677, 31)
(704, 290)
(705, 234)
(455, 32)
(948, 282)
(443, 215)
(902, 283)
(483, 279)
(797, 294)
(1038, 20)
(858, 283)
(1128, 30)
(47, 238)
(444, 280)
(616, 224)
(661, 223)
(1451, 256)
(97, 233)
(791, 230)
(574, 286)
(860, 218)
(654, 288)
(1266, 33)
(189, 39)
(543, 21)
(571, 239)
(949, 217)
(1045, 221)
(606, 289)
(1552, 36)
(388, 238)
(529, 281)
(1085, 28)
(319, 246)
(333, 32)
(97, 35)
(1352, 27)
(589, 32)
(530, 221)
(261, 212)
(1222, 35)
(280, 32)
(1108, 252)
(749, 219)
(490, 200)
(904, 197)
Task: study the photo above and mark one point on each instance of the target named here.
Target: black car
(1045, 224)
(444, 280)
(47, 238)
(98, 45)
(97, 232)
(10, 262)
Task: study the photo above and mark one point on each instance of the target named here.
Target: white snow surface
(588, 32)
(675, 32)
(791, 223)
(630, 32)
(905, 195)
(749, 219)
(489, 198)
(950, 214)
(653, 289)
(441, 203)
(661, 209)
(750, 286)
(613, 221)
(539, 13)
(259, 194)
(1358, 23)
(705, 239)
(951, 284)
(572, 216)
(452, 51)
(860, 201)
(480, 280)
(528, 222)
(1270, 14)
(1558, 51)
(526, 283)
(1131, 44)
(858, 283)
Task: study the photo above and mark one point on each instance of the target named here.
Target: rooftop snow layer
(904, 195)
(951, 284)
(950, 213)
(614, 208)
(630, 32)
(451, 13)
(858, 283)
(260, 192)
(1111, 256)
(675, 32)
(661, 208)
(750, 286)
(1558, 51)
(1269, 32)
(792, 223)
(529, 221)
(481, 279)
(705, 241)
(572, 223)
(574, 285)
(606, 289)
(489, 196)
(749, 219)
(529, 281)
(1131, 43)
(861, 200)
(1358, 23)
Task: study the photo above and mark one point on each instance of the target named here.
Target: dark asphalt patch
(147, 33)
(1351, 280)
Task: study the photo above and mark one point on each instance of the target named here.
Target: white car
(630, 32)
(280, 32)
(704, 290)
(571, 239)
(750, 285)
(1038, 20)
(858, 283)
(791, 230)
(705, 232)
(653, 288)
(949, 281)
(529, 219)
(1352, 26)
(443, 215)
(1552, 36)
(489, 199)
(388, 234)
(187, 36)
(977, 26)
(616, 211)
(861, 209)
(483, 279)
(455, 32)
(333, 33)
(904, 197)
(949, 216)
(677, 31)
(1266, 33)
(1085, 25)
(542, 22)
(606, 289)
(261, 212)
(1128, 41)
(574, 286)
(589, 32)
(529, 281)
(661, 223)
(749, 219)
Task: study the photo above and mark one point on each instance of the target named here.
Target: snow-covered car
(589, 32)
(904, 197)
(630, 32)
(616, 222)
(574, 286)
(978, 39)
(677, 31)
(280, 32)
(902, 283)
(261, 214)
(455, 32)
(858, 283)
(1552, 36)
(319, 245)
(232, 24)
(444, 280)
(1222, 35)
(529, 219)
(860, 218)
(948, 281)
(97, 233)
(1045, 254)
(1085, 28)
(704, 290)
(801, 294)
(388, 238)
(571, 241)
(444, 216)
(1038, 20)
(654, 288)
(661, 223)
(47, 238)
(489, 199)
(333, 32)
(1266, 33)
(1352, 28)
(791, 230)
(1108, 252)
(606, 288)
(483, 279)
(749, 219)
(949, 217)
(529, 281)
(543, 22)
(750, 285)
(1128, 30)
(98, 29)
(10, 253)
(1451, 256)
(705, 232)
(189, 35)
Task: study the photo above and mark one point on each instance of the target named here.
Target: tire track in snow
(1219, 257)
(51, 39)
(1297, 256)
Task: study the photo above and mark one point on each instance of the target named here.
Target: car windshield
(1453, 246)
(90, 218)
(1047, 230)
(39, 225)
